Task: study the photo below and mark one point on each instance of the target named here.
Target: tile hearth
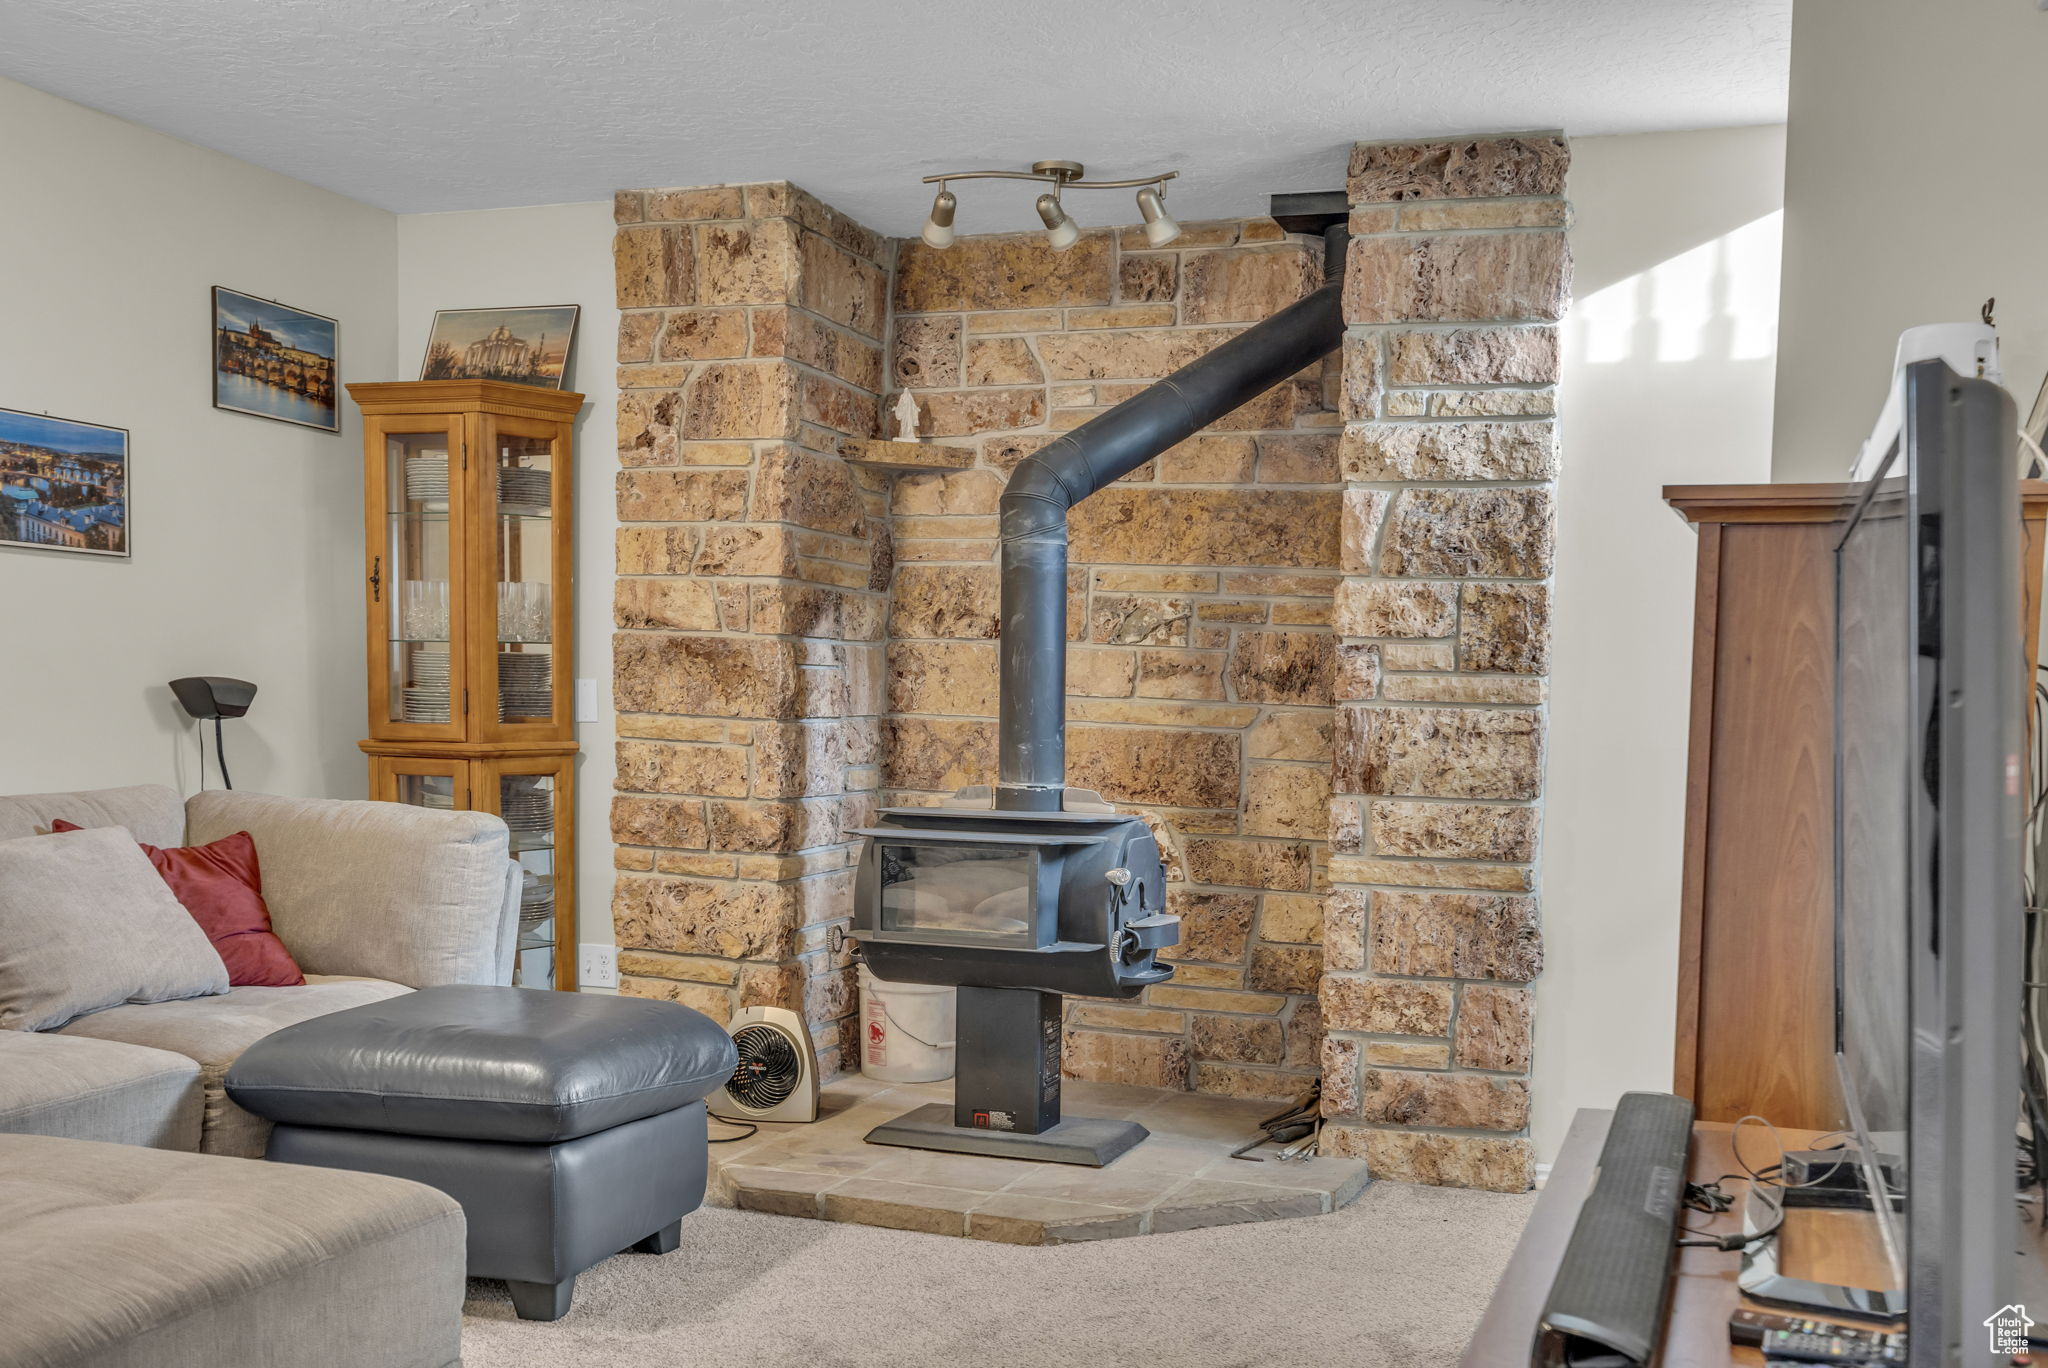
(1181, 1178)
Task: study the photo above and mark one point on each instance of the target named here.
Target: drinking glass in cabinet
(525, 610)
(423, 610)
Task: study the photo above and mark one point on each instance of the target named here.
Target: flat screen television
(1931, 692)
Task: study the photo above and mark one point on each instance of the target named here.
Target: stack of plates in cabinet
(434, 798)
(525, 685)
(426, 698)
(536, 901)
(523, 488)
(426, 478)
(525, 806)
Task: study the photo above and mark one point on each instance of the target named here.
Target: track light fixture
(1160, 227)
(1061, 232)
(938, 229)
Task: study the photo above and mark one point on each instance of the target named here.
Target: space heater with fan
(777, 1076)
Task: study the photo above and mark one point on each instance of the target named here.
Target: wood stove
(1016, 909)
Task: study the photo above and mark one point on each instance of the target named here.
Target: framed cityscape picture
(63, 484)
(274, 361)
(523, 346)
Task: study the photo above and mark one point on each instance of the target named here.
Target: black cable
(748, 1133)
(220, 751)
(1707, 1197)
(1739, 1240)
(2032, 1165)
(2033, 1151)
(2033, 1168)
(1759, 1179)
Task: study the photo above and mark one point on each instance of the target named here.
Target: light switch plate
(586, 700)
(599, 967)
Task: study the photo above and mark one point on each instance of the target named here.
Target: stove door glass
(956, 890)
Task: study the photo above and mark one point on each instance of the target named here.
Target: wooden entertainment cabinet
(1756, 947)
(1756, 962)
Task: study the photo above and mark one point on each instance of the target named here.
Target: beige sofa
(372, 899)
(121, 1254)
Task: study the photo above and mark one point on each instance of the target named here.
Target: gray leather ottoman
(568, 1127)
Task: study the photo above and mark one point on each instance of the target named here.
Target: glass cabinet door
(525, 532)
(416, 581)
(441, 784)
(532, 806)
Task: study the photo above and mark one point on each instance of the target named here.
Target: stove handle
(1155, 932)
(1123, 879)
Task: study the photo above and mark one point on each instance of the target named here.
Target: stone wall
(750, 597)
(1199, 674)
(1309, 644)
(1458, 272)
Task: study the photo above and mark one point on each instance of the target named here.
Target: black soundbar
(1606, 1309)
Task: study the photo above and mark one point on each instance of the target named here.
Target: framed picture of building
(63, 484)
(523, 346)
(274, 361)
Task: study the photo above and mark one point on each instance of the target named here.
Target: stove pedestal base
(1076, 1140)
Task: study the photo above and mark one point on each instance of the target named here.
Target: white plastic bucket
(906, 1030)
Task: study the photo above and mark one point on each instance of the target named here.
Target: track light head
(938, 229)
(1060, 231)
(1160, 227)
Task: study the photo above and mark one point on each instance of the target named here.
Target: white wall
(1668, 361)
(555, 254)
(246, 533)
(1912, 194)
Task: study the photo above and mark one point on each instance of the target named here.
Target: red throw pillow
(221, 886)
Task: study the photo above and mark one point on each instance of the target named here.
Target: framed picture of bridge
(523, 346)
(63, 484)
(274, 361)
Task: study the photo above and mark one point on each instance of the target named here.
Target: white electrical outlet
(599, 967)
(586, 700)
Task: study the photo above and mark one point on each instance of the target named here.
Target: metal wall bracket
(1324, 213)
(1310, 211)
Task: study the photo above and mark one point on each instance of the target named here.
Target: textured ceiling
(420, 105)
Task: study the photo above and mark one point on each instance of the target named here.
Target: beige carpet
(1396, 1279)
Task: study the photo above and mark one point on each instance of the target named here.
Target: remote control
(1797, 1339)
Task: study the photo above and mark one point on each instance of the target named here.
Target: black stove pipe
(1031, 740)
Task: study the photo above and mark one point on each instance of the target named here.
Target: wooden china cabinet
(467, 489)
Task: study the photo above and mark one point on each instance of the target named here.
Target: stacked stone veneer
(1458, 272)
(750, 602)
(1308, 644)
(1201, 661)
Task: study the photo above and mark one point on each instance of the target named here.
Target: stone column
(749, 607)
(1458, 272)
